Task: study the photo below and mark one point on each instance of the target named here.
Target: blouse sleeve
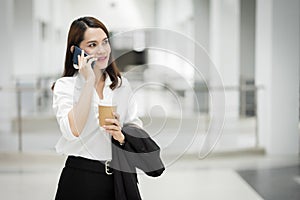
(62, 104)
(132, 111)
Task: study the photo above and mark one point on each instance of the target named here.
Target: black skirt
(85, 179)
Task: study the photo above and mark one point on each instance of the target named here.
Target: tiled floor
(275, 183)
(213, 184)
(33, 176)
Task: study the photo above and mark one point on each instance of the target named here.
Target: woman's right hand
(85, 66)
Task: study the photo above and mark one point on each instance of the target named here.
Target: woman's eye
(105, 41)
(92, 45)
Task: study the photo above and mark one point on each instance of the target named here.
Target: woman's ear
(72, 48)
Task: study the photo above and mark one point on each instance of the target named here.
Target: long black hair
(75, 37)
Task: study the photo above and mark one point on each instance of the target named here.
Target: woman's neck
(99, 75)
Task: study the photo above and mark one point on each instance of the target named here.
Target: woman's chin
(101, 67)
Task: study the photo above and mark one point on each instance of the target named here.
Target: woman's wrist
(122, 140)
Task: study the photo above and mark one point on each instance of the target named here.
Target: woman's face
(96, 43)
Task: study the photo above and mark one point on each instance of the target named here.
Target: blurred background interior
(254, 45)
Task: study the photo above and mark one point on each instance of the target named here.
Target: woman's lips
(101, 59)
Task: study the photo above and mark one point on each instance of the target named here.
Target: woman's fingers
(115, 132)
(91, 60)
(116, 121)
(84, 61)
(113, 121)
(117, 116)
(112, 127)
(75, 66)
(81, 59)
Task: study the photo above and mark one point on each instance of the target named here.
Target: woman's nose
(100, 49)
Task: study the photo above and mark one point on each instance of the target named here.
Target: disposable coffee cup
(106, 111)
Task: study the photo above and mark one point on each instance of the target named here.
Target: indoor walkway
(32, 176)
(245, 173)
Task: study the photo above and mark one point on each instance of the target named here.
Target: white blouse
(93, 142)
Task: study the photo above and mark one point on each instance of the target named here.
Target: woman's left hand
(115, 128)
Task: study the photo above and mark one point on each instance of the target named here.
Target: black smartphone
(77, 51)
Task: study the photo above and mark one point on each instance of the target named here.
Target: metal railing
(19, 89)
(243, 106)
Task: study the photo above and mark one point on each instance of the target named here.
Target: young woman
(76, 96)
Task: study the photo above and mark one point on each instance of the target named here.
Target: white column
(24, 54)
(7, 105)
(224, 48)
(201, 19)
(277, 70)
(247, 55)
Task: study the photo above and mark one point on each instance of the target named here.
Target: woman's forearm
(78, 115)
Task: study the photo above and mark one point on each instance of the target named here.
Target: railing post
(256, 117)
(19, 113)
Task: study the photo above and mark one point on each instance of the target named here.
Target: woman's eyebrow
(92, 41)
(95, 41)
